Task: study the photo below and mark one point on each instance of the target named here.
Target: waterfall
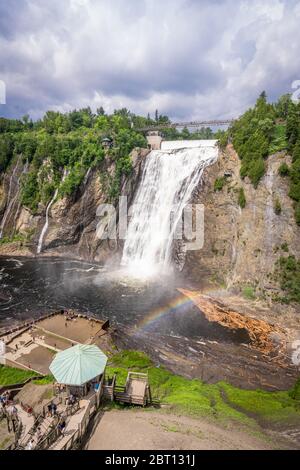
(169, 177)
(83, 209)
(84, 196)
(46, 224)
(45, 227)
(10, 198)
(86, 176)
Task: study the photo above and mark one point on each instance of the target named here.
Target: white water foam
(46, 224)
(170, 175)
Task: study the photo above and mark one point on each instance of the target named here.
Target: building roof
(78, 365)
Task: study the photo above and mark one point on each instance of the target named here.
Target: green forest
(73, 141)
(264, 130)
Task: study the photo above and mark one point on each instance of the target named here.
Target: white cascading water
(46, 224)
(170, 175)
(13, 193)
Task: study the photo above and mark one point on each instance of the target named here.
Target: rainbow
(176, 304)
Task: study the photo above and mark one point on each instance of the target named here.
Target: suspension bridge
(188, 124)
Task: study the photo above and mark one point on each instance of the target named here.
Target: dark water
(32, 287)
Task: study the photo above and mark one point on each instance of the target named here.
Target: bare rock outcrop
(241, 246)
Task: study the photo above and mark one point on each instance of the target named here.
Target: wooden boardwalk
(135, 392)
(72, 427)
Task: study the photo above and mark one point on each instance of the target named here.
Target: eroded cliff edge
(242, 245)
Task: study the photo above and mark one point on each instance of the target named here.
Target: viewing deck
(135, 392)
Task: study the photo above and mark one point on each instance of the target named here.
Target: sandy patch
(149, 430)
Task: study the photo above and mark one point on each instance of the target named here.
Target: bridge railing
(174, 125)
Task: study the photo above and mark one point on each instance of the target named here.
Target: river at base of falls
(31, 287)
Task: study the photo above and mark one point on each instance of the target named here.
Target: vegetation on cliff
(263, 130)
(242, 198)
(72, 142)
(287, 272)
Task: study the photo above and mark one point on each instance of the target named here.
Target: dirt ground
(38, 359)
(77, 329)
(35, 395)
(150, 430)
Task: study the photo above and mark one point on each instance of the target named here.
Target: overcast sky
(191, 59)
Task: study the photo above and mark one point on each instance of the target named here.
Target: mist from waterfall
(169, 177)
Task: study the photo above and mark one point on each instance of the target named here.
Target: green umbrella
(78, 365)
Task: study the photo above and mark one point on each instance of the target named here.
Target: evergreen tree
(292, 125)
(100, 111)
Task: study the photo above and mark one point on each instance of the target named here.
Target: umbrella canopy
(78, 365)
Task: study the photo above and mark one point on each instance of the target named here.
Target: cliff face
(241, 246)
(72, 220)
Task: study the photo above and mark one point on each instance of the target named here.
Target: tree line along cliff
(88, 158)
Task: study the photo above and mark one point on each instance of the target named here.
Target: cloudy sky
(191, 59)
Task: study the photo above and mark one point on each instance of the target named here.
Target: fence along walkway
(136, 391)
(72, 427)
(77, 424)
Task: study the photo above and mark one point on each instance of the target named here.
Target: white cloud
(188, 58)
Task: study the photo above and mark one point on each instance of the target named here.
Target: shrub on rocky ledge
(288, 274)
(284, 169)
(219, 183)
(242, 198)
(295, 392)
(277, 206)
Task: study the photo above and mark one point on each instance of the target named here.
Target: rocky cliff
(241, 245)
(72, 220)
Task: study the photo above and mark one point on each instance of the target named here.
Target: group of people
(71, 400)
(59, 388)
(68, 316)
(4, 401)
(52, 409)
(10, 411)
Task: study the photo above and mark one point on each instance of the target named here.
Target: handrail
(48, 439)
(71, 409)
(220, 122)
(53, 400)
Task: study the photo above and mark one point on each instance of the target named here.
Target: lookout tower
(154, 140)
